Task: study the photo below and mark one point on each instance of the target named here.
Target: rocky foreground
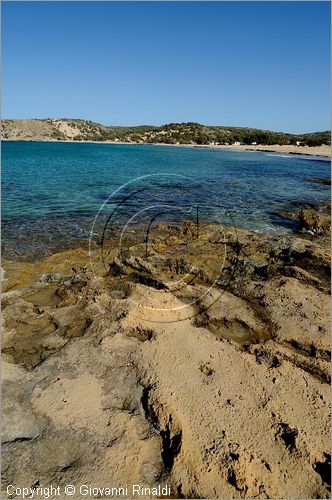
(201, 362)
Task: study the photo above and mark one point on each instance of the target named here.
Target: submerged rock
(319, 180)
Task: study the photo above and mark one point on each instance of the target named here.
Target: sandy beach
(276, 148)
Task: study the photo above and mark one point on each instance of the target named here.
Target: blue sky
(260, 64)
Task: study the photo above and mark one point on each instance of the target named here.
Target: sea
(56, 194)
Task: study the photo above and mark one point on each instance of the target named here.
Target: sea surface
(54, 194)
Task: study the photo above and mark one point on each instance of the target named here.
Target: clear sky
(260, 64)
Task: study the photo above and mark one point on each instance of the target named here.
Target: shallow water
(52, 192)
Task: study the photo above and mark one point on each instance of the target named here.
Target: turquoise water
(51, 192)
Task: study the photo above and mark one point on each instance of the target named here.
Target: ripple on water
(50, 200)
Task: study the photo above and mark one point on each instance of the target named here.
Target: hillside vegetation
(172, 133)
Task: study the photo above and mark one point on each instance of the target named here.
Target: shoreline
(322, 151)
(285, 224)
(134, 238)
(86, 254)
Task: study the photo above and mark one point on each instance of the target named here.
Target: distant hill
(65, 129)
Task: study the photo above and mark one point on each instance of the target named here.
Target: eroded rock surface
(167, 367)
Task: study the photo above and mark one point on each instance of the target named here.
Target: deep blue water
(51, 192)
